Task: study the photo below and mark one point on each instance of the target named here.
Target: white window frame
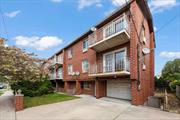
(87, 45)
(60, 58)
(70, 53)
(70, 69)
(85, 70)
(113, 59)
(112, 26)
(60, 72)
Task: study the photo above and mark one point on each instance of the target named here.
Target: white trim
(70, 53)
(83, 69)
(85, 49)
(113, 53)
(71, 71)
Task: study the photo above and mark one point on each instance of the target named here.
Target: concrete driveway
(89, 108)
(7, 109)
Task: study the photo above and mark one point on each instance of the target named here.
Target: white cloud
(39, 43)
(12, 14)
(170, 54)
(115, 3)
(155, 28)
(56, 1)
(109, 12)
(88, 3)
(119, 2)
(161, 5)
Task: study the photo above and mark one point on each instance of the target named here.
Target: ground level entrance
(119, 89)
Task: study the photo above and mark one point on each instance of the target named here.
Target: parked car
(2, 85)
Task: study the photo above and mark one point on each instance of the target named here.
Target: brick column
(57, 86)
(100, 88)
(134, 93)
(78, 88)
(19, 102)
(66, 86)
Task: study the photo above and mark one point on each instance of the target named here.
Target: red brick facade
(142, 80)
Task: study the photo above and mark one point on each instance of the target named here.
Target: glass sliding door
(120, 60)
(108, 63)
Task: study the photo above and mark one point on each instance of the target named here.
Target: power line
(167, 23)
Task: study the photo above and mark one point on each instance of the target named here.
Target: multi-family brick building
(115, 58)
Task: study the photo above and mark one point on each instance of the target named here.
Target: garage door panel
(119, 89)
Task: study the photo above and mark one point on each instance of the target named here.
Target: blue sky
(45, 26)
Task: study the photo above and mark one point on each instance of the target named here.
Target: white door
(119, 89)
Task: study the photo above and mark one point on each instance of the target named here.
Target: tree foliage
(171, 70)
(17, 65)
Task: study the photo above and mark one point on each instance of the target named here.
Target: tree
(17, 65)
(171, 70)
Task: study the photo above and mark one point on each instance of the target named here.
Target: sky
(45, 26)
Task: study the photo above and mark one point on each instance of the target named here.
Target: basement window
(86, 84)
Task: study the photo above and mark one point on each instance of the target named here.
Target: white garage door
(119, 89)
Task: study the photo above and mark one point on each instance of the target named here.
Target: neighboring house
(108, 59)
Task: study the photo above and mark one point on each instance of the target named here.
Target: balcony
(115, 69)
(56, 62)
(113, 34)
(56, 75)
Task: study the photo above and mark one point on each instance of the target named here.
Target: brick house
(109, 60)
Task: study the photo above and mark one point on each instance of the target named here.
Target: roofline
(98, 25)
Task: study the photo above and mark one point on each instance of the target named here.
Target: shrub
(32, 89)
(173, 84)
(160, 83)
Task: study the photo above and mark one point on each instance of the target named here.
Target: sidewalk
(7, 109)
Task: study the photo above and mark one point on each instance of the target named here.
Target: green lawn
(47, 99)
(1, 93)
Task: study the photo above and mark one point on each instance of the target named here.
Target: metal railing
(55, 76)
(109, 30)
(120, 65)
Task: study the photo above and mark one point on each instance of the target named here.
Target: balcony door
(60, 73)
(114, 61)
(119, 60)
(108, 63)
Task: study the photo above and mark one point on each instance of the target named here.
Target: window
(85, 66)
(60, 73)
(85, 45)
(108, 31)
(115, 61)
(86, 84)
(108, 62)
(70, 69)
(60, 59)
(70, 52)
(114, 27)
(119, 25)
(119, 61)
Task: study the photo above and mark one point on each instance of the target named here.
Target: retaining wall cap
(19, 95)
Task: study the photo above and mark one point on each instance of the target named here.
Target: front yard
(47, 99)
(1, 93)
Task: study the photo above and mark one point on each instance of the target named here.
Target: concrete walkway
(7, 110)
(89, 108)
